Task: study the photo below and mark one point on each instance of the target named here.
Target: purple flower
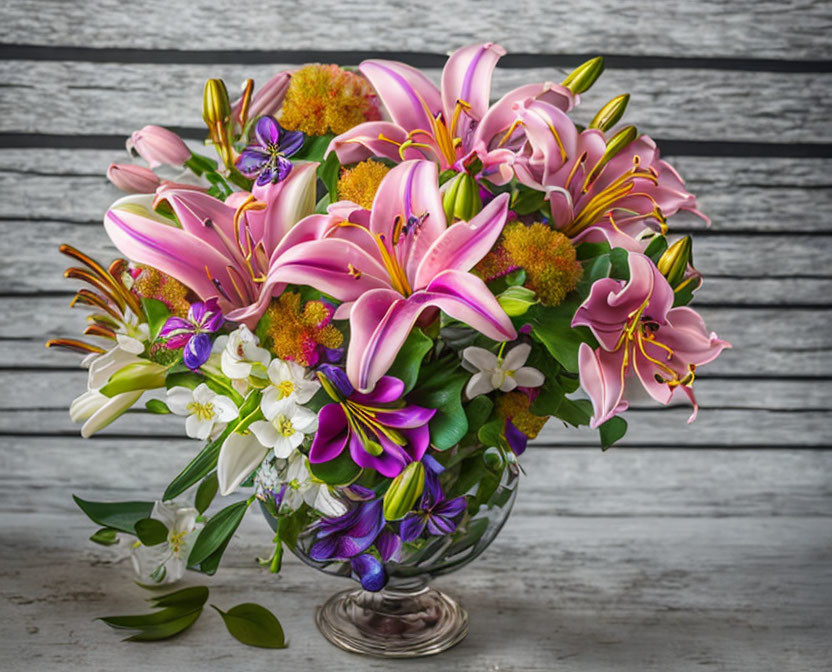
(192, 333)
(266, 159)
(434, 512)
(350, 536)
(516, 439)
(383, 431)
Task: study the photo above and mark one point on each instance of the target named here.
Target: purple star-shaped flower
(434, 513)
(191, 333)
(266, 159)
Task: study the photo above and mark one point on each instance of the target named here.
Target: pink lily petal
(409, 192)
(602, 378)
(465, 297)
(464, 244)
(467, 77)
(372, 138)
(409, 96)
(687, 336)
(287, 203)
(553, 138)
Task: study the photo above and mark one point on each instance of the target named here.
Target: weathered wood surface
(691, 546)
(704, 28)
(759, 104)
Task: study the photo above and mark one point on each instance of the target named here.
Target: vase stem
(405, 621)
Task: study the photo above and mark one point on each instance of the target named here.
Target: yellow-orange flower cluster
(295, 332)
(153, 284)
(514, 406)
(327, 99)
(360, 183)
(547, 256)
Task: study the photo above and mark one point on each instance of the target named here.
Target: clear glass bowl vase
(408, 618)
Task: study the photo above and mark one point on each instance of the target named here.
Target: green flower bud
(215, 105)
(584, 76)
(674, 262)
(609, 115)
(403, 492)
(615, 144)
(461, 199)
(517, 300)
(144, 375)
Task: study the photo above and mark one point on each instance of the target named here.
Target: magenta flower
(192, 333)
(220, 249)
(382, 431)
(640, 333)
(266, 159)
(592, 200)
(158, 146)
(393, 264)
(446, 126)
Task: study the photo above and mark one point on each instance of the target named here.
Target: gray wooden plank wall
(693, 545)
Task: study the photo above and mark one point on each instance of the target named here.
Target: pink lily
(639, 332)
(595, 196)
(222, 249)
(390, 265)
(447, 126)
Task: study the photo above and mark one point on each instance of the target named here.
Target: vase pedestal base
(393, 623)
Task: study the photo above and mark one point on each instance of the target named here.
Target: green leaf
(157, 314)
(313, 148)
(595, 269)
(478, 411)
(195, 596)
(121, 516)
(106, 536)
(206, 461)
(329, 172)
(341, 470)
(491, 433)
(206, 492)
(141, 621)
(526, 201)
(151, 532)
(620, 266)
(157, 406)
(440, 387)
(589, 250)
(552, 326)
(409, 360)
(656, 248)
(612, 430)
(217, 531)
(253, 625)
(154, 633)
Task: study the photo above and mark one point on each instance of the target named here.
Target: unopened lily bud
(517, 300)
(673, 264)
(158, 146)
(267, 99)
(215, 106)
(403, 492)
(143, 375)
(133, 179)
(610, 113)
(584, 76)
(461, 198)
(616, 143)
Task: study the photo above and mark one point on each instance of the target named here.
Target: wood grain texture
(694, 104)
(744, 28)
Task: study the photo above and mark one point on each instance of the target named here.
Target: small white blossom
(241, 357)
(165, 563)
(303, 487)
(132, 335)
(495, 373)
(285, 427)
(289, 381)
(206, 410)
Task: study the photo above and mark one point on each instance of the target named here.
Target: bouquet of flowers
(371, 300)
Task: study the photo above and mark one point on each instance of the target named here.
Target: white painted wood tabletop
(689, 547)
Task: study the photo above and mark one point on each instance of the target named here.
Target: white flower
(206, 410)
(495, 373)
(288, 381)
(285, 427)
(239, 456)
(132, 335)
(302, 487)
(165, 563)
(241, 353)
